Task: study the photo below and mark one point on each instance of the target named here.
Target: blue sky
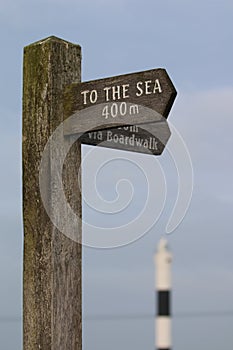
(193, 41)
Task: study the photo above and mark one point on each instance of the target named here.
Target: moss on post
(52, 302)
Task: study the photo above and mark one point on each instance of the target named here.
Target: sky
(192, 41)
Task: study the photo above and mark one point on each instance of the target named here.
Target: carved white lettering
(157, 86)
(93, 96)
(133, 109)
(109, 136)
(114, 110)
(147, 87)
(148, 143)
(140, 90)
(133, 128)
(96, 135)
(123, 108)
(116, 92)
(107, 95)
(126, 140)
(125, 89)
(84, 93)
(122, 139)
(119, 109)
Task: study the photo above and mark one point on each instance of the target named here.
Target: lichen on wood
(52, 301)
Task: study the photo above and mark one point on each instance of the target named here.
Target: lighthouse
(163, 259)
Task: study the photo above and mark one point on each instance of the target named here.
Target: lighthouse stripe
(163, 303)
(163, 286)
(163, 333)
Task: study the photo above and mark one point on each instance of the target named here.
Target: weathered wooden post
(52, 262)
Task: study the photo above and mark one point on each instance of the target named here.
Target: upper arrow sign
(130, 99)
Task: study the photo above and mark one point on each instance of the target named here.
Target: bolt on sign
(126, 112)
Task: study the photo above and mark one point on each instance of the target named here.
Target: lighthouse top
(163, 259)
(163, 253)
(163, 245)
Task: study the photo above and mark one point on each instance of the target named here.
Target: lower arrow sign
(134, 138)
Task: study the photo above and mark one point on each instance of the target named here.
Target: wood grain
(52, 300)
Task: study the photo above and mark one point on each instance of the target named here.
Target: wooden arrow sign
(130, 99)
(144, 138)
(109, 112)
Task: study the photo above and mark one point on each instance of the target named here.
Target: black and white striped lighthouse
(163, 259)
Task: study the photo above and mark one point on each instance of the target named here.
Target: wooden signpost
(112, 112)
